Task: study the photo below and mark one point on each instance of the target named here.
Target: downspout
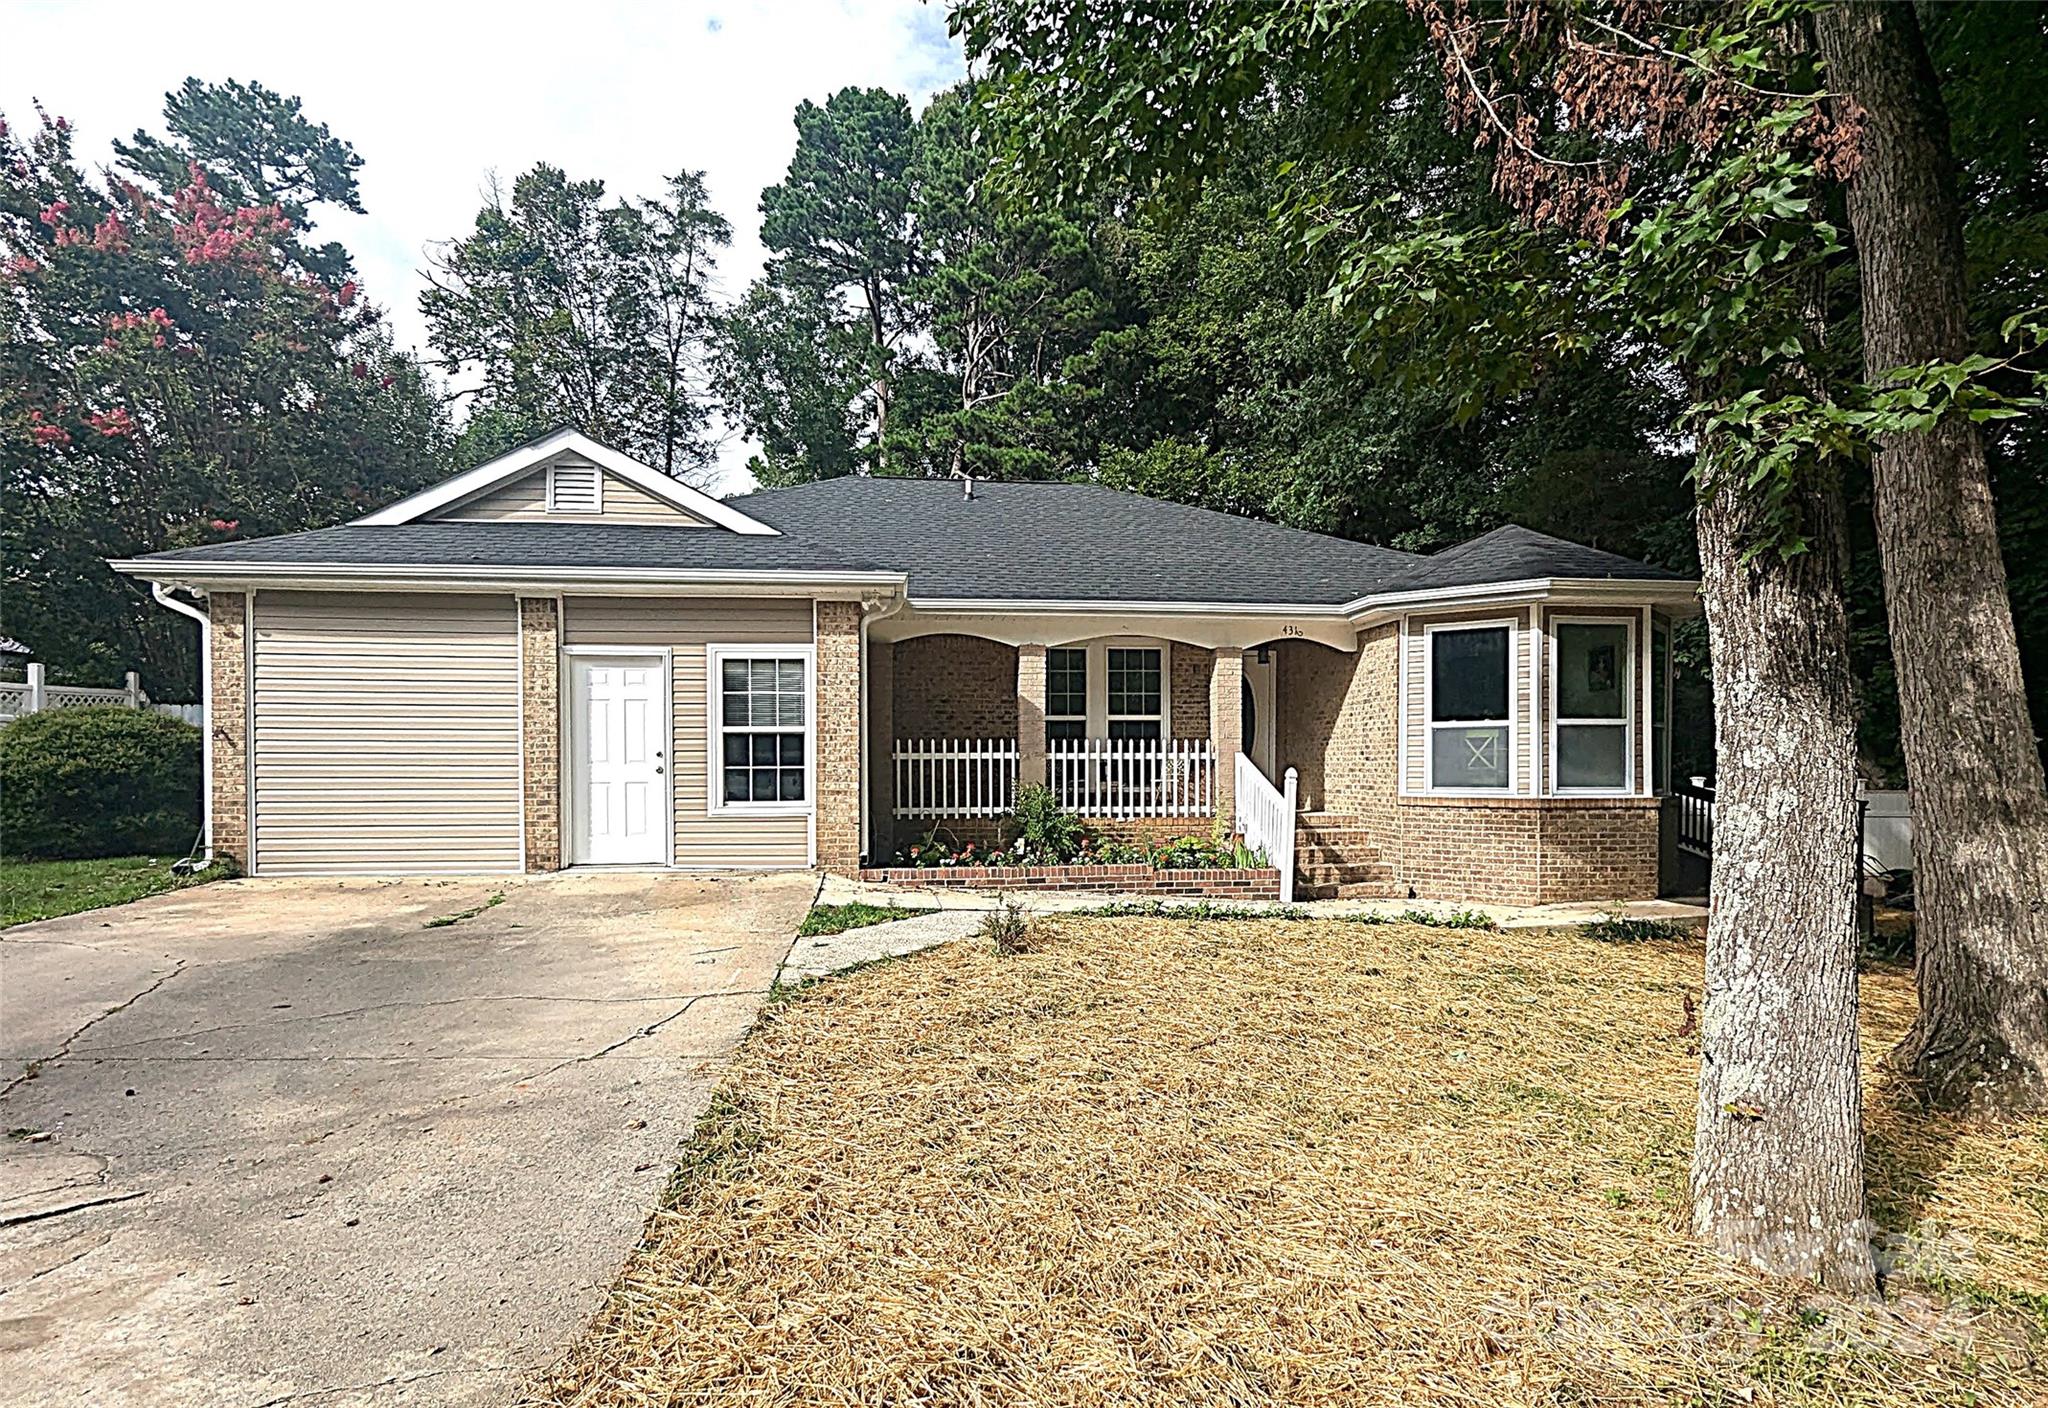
(185, 608)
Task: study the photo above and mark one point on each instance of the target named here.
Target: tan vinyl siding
(385, 734)
(526, 499)
(686, 626)
(1414, 704)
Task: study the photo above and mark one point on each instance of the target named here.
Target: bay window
(1470, 702)
(1592, 705)
(760, 728)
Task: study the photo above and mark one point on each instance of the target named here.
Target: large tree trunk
(1980, 818)
(1777, 1173)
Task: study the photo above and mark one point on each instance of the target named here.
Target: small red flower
(116, 422)
(225, 525)
(53, 214)
(346, 294)
(43, 433)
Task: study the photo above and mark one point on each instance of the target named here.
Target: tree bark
(1777, 1172)
(1980, 816)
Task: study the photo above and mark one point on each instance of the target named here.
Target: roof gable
(564, 445)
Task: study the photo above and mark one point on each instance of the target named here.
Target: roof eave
(1679, 594)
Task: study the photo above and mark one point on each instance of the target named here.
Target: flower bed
(1246, 883)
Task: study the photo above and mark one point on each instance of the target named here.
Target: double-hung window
(1470, 719)
(760, 726)
(1135, 693)
(1592, 706)
(1066, 692)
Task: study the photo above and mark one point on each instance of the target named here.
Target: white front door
(618, 759)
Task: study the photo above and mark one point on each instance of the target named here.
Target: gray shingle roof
(1514, 554)
(1074, 542)
(1008, 542)
(530, 544)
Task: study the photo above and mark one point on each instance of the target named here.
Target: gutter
(539, 580)
(183, 608)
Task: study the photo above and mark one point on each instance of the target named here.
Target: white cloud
(436, 97)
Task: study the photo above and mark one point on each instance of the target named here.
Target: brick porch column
(1226, 729)
(838, 762)
(229, 724)
(1030, 716)
(540, 711)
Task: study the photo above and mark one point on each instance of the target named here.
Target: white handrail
(1265, 818)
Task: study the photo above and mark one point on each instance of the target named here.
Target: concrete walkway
(284, 1143)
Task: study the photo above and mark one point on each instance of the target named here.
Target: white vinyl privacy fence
(36, 693)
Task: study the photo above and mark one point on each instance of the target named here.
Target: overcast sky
(436, 96)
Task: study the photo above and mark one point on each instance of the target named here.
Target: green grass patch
(46, 889)
(461, 914)
(838, 918)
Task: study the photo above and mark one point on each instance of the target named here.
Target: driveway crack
(330, 1390)
(639, 1033)
(35, 1068)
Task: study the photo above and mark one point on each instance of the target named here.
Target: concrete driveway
(285, 1143)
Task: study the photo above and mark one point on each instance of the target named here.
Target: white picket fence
(1133, 777)
(1112, 778)
(955, 777)
(1265, 818)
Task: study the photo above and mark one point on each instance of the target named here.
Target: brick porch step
(1335, 858)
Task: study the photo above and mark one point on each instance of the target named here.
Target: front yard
(45, 889)
(1159, 1161)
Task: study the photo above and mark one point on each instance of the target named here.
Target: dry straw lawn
(1265, 1163)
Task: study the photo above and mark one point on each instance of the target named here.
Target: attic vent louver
(575, 487)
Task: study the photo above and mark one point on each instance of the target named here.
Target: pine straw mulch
(1260, 1163)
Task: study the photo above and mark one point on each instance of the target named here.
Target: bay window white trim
(1510, 720)
(715, 727)
(1627, 722)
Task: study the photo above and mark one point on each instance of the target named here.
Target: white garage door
(386, 734)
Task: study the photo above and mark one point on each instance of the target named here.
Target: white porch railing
(948, 777)
(36, 694)
(1265, 818)
(1133, 777)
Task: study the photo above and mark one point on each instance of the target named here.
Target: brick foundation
(1525, 850)
(229, 636)
(1116, 879)
(540, 706)
(837, 764)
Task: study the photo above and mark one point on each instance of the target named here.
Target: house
(565, 658)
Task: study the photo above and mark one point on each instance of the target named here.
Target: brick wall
(540, 694)
(838, 735)
(1599, 849)
(229, 612)
(1520, 850)
(1190, 689)
(951, 686)
(1338, 727)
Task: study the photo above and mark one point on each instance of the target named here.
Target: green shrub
(1042, 832)
(1616, 928)
(80, 783)
(1008, 930)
